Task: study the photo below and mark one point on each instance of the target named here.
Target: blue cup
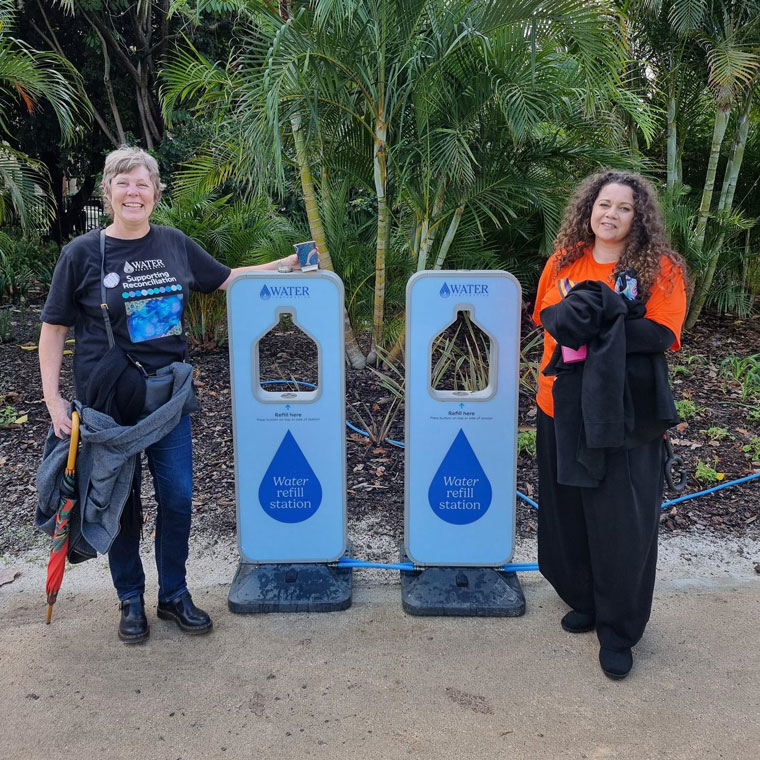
(308, 257)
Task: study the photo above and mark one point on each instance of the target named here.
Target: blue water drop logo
(265, 293)
(290, 491)
(460, 492)
(444, 291)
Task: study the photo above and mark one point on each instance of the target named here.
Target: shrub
(526, 442)
(686, 409)
(753, 447)
(706, 473)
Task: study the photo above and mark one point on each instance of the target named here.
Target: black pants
(598, 546)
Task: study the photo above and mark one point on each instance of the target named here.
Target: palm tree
(703, 56)
(31, 76)
(423, 104)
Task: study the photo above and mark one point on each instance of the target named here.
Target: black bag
(158, 390)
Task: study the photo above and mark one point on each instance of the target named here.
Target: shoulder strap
(103, 304)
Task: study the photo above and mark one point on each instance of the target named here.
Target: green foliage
(375, 422)
(680, 369)
(236, 233)
(530, 359)
(744, 372)
(526, 443)
(718, 434)
(753, 447)
(706, 473)
(8, 414)
(348, 216)
(455, 121)
(32, 77)
(460, 357)
(753, 415)
(686, 409)
(24, 261)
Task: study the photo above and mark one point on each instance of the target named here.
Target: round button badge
(111, 280)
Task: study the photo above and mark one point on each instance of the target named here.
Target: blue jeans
(171, 464)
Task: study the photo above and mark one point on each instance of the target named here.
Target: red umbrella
(60, 545)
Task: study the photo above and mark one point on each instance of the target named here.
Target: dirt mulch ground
(725, 420)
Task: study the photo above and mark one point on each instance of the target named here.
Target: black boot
(616, 663)
(185, 614)
(133, 626)
(577, 622)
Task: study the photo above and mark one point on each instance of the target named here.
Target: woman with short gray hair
(126, 288)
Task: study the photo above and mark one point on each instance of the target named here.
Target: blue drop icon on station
(290, 491)
(460, 492)
(445, 291)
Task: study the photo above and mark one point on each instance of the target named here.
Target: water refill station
(461, 454)
(290, 476)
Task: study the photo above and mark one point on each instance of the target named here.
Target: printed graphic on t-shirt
(153, 300)
(151, 318)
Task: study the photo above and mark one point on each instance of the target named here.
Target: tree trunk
(447, 240)
(726, 201)
(705, 280)
(719, 130)
(672, 141)
(77, 202)
(354, 354)
(428, 232)
(381, 249)
(734, 164)
(122, 139)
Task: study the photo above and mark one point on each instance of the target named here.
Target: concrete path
(373, 682)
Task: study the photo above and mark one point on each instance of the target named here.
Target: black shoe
(133, 626)
(185, 614)
(616, 663)
(577, 622)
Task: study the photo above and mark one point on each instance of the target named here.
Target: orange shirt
(666, 305)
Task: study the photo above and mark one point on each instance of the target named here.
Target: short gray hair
(123, 160)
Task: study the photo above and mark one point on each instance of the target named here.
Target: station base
(296, 587)
(461, 591)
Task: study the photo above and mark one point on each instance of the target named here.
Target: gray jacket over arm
(105, 465)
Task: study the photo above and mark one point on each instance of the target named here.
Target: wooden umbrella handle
(73, 443)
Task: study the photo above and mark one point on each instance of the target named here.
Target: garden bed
(712, 378)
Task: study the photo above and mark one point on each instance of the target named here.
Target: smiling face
(612, 214)
(132, 197)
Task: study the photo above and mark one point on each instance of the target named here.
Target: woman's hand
(289, 262)
(58, 408)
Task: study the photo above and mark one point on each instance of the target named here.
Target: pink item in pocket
(572, 355)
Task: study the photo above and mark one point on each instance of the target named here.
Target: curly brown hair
(647, 241)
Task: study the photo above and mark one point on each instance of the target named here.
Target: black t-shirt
(148, 282)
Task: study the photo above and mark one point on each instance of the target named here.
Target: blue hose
(512, 567)
(710, 490)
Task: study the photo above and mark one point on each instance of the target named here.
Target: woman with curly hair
(611, 300)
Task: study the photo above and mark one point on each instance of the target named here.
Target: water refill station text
(461, 454)
(290, 458)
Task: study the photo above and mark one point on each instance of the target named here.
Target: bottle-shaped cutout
(460, 493)
(290, 491)
(460, 356)
(288, 358)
